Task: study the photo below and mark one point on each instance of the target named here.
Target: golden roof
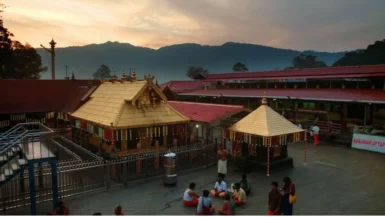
(129, 105)
(264, 121)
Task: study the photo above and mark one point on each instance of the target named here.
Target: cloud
(297, 24)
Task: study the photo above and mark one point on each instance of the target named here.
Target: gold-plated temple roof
(116, 103)
(264, 121)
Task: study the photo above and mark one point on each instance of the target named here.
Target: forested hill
(171, 62)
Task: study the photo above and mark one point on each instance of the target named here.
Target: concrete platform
(336, 181)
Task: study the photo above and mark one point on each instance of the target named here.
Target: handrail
(83, 149)
(66, 150)
(17, 139)
(10, 131)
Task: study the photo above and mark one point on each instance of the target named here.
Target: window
(309, 105)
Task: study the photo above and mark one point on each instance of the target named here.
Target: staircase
(13, 159)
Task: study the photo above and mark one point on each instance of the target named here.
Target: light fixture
(197, 126)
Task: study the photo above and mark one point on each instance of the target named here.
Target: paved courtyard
(335, 181)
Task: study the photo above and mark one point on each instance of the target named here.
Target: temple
(124, 116)
(261, 139)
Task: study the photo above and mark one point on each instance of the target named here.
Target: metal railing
(79, 177)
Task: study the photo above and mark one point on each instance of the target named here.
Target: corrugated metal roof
(264, 121)
(183, 86)
(28, 96)
(344, 72)
(342, 95)
(205, 112)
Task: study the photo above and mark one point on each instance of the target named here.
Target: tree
(26, 62)
(5, 47)
(372, 55)
(102, 73)
(196, 72)
(240, 67)
(306, 61)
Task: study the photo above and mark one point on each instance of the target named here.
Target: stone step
(15, 149)
(2, 177)
(22, 162)
(10, 153)
(15, 167)
(3, 158)
(8, 172)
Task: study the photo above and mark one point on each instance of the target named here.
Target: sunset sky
(323, 25)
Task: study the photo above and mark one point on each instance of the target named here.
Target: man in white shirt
(315, 130)
(219, 188)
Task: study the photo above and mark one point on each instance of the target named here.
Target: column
(295, 111)
(55, 189)
(32, 192)
(124, 140)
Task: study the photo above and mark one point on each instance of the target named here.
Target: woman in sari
(288, 189)
(205, 206)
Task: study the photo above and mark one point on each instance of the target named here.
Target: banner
(369, 142)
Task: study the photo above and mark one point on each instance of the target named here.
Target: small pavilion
(262, 137)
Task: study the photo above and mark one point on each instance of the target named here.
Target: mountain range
(171, 62)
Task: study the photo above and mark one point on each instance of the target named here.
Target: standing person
(205, 206)
(226, 209)
(275, 200)
(222, 161)
(239, 195)
(299, 125)
(315, 130)
(61, 209)
(219, 188)
(190, 198)
(118, 210)
(288, 189)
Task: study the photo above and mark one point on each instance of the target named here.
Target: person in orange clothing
(275, 200)
(118, 210)
(315, 131)
(190, 198)
(239, 195)
(61, 209)
(227, 208)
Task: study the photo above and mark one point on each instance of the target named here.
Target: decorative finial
(73, 76)
(264, 101)
(124, 78)
(133, 76)
(114, 78)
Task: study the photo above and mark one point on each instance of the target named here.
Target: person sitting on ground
(245, 184)
(190, 198)
(239, 195)
(227, 208)
(118, 210)
(61, 209)
(205, 206)
(219, 188)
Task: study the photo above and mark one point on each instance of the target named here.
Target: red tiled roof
(330, 72)
(27, 96)
(342, 95)
(183, 86)
(205, 112)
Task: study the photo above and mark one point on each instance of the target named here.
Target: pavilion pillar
(295, 111)
(372, 111)
(268, 154)
(123, 146)
(343, 114)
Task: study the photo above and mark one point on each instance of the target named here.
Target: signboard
(369, 142)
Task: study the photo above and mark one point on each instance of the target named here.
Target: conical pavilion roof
(264, 121)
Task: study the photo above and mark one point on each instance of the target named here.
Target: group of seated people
(233, 198)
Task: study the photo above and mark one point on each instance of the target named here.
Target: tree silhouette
(102, 73)
(196, 72)
(372, 55)
(5, 48)
(240, 67)
(26, 62)
(306, 61)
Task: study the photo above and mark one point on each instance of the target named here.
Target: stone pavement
(335, 181)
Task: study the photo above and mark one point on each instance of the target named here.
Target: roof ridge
(182, 102)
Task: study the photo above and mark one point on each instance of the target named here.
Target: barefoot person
(118, 210)
(275, 199)
(288, 189)
(222, 161)
(219, 188)
(190, 198)
(226, 208)
(61, 209)
(245, 184)
(239, 195)
(205, 206)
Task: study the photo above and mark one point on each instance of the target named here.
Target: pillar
(32, 198)
(55, 189)
(295, 111)
(344, 113)
(124, 140)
